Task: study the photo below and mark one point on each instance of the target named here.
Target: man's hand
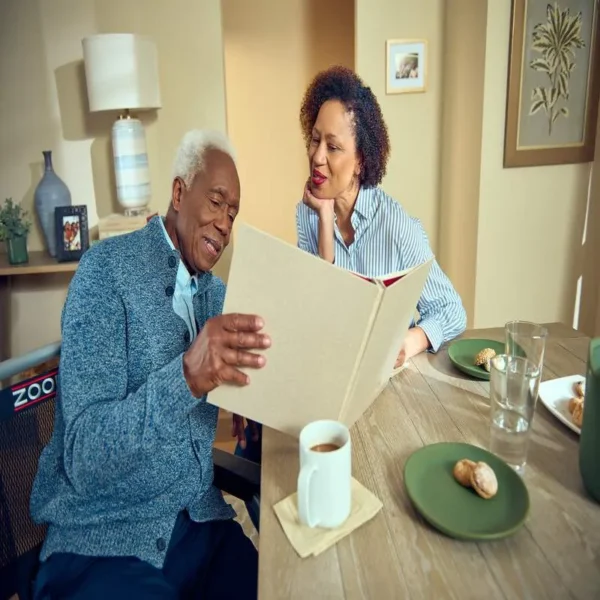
(238, 430)
(415, 342)
(323, 207)
(221, 347)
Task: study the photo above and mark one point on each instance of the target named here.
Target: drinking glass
(523, 338)
(514, 381)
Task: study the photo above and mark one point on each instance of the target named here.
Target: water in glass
(513, 391)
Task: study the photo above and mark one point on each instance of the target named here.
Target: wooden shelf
(40, 262)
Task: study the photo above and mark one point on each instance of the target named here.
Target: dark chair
(26, 422)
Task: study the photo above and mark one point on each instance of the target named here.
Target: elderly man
(125, 484)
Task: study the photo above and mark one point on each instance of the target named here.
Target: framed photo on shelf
(553, 83)
(72, 235)
(406, 66)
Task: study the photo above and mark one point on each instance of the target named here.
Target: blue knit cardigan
(131, 446)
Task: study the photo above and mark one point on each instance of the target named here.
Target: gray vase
(50, 192)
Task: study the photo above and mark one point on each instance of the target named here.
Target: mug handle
(304, 478)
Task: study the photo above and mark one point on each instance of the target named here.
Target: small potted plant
(14, 227)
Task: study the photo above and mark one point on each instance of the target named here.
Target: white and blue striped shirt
(387, 239)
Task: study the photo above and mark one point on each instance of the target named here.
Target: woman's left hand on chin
(322, 206)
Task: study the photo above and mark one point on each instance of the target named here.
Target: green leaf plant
(13, 221)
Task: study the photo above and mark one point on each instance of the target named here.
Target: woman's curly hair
(372, 141)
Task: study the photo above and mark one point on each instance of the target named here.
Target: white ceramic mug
(325, 479)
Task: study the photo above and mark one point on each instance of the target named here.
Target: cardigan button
(161, 544)
(186, 337)
(172, 261)
(169, 291)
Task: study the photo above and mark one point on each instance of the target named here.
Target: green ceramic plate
(458, 511)
(462, 354)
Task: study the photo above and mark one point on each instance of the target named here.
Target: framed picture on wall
(406, 66)
(72, 235)
(553, 83)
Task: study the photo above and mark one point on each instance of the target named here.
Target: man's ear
(176, 193)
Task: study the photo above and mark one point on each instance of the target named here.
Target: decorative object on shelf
(14, 228)
(50, 192)
(72, 234)
(121, 71)
(116, 224)
(406, 66)
(553, 83)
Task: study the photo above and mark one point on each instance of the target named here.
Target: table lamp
(121, 71)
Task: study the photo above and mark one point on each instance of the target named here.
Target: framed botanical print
(553, 82)
(72, 235)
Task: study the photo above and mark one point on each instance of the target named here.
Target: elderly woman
(348, 220)
(345, 218)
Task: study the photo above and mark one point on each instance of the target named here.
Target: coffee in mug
(325, 448)
(325, 479)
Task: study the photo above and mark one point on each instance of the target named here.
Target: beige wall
(530, 219)
(43, 102)
(462, 103)
(510, 239)
(413, 120)
(272, 51)
(588, 316)
(520, 254)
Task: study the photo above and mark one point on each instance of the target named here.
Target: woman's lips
(318, 178)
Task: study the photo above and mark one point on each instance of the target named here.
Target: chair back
(26, 423)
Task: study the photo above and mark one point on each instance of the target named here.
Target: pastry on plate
(477, 475)
(462, 471)
(577, 415)
(483, 480)
(483, 358)
(580, 389)
(574, 402)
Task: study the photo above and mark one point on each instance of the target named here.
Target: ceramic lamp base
(131, 165)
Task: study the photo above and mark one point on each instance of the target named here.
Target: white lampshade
(121, 71)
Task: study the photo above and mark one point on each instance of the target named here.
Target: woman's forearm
(326, 247)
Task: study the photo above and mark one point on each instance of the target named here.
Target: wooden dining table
(555, 554)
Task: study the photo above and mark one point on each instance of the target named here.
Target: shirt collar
(183, 275)
(365, 205)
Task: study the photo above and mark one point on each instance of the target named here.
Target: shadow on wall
(327, 45)
(570, 297)
(78, 123)
(26, 127)
(588, 315)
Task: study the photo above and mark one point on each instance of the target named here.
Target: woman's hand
(415, 342)
(238, 430)
(323, 207)
(325, 211)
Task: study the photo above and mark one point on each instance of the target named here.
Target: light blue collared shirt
(186, 286)
(387, 239)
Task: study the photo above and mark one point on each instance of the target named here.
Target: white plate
(555, 395)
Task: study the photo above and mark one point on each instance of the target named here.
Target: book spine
(357, 365)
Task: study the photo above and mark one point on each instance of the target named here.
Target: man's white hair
(189, 159)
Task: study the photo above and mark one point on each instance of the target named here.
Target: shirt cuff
(434, 332)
